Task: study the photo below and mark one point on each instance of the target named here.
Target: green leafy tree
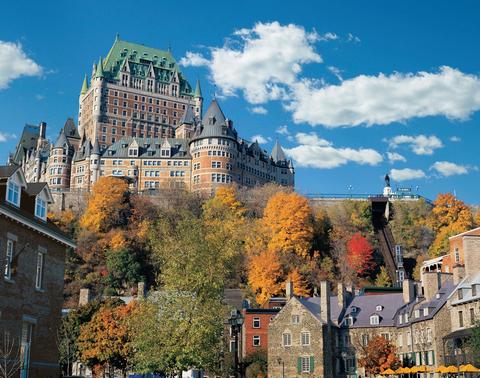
(124, 269)
(474, 342)
(181, 326)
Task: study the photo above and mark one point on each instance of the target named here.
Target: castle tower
(285, 171)
(59, 163)
(213, 148)
(83, 92)
(95, 162)
(197, 96)
(97, 85)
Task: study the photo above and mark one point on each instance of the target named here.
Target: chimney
(342, 296)
(458, 273)
(408, 291)
(471, 254)
(431, 283)
(325, 301)
(141, 290)
(43, 129)
(84, 297)
(289, 290)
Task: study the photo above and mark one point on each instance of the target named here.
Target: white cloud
(329, 36)
(14, 63)
(260, 139)
(406, 174)
(394, 156)
(6, 136)
(383, 99)
(193, 60)
(446, 168)
(353, 38)
(420, 144)
(283, 130)
(258, 110)
(261, 62)
(336, 71)
(455, 139)
(316, 152)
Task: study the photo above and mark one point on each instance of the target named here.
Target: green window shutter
(312, 364)
(433, 357)
(299, 365)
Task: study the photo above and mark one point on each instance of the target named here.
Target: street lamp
(280, 361)
(236, 322)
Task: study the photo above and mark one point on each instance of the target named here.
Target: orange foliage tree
(108, 205)
(449, 216)
(300, 285)
(104, 341)
(265, 275)
(359, 254)
(378, 356)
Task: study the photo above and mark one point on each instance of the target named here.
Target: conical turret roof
(99, 72)
(188, 116)
(198, 90)
(84, 86)
(277, 153)
(96, 148)
(61, 140)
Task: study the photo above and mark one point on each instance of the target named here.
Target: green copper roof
(198, 90)
(84, 86)
(99, 72)
(140, 58)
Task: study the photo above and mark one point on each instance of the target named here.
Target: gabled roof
(148, 148)
(277, 153)
(70, 129)
(7, 171)
(28, 141)
(35, 188)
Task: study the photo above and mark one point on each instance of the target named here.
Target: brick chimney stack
(289, 290)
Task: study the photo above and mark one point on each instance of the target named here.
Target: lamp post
(280, 361)
(236, 322)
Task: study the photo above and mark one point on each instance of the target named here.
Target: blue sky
(352, 89)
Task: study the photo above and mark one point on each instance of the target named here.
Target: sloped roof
(28, 141)
(313, 305)
(7, 170)
(61, 140)
(365, 306)
(153, 146)
(70, 129)
(188, 116)
(140, 58)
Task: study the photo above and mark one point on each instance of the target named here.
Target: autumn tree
(379, 355)
(359, 257)
(449, 216)
(265, 275)
(300, 285)
(108, 205)
(288, 224)
(383, 278)
(104, 341)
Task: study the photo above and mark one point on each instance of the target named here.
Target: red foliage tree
(359, 254)
(379, 355)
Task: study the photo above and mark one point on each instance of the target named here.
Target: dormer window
(13, 193)
(474, 290)
(374, 319)
(349, 320)
(460, 294)
(354, 310)
(165, 152)
(417, 314)
(133, 152)
(211, 120)
(40, 208)
(400, 319)
(425, 311)
(379, 308)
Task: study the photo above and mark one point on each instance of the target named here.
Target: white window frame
(39, 276)
(7, 273)
(305, 338)
(287, 339)
(40, 208)
(256, 340)
(374, 319)
(295, 319)
(305, 364)
(256, 322)
(13, 193)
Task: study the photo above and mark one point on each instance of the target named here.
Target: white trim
(463, 233)
(36, 227)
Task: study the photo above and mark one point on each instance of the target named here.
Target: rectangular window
(305, 338)
(39, 277)
(8, 260)
(429, 335)
(472, 316)
(40, 208)
(400, 340)
(256, 323)
(409, 338)
(295, 319)
(305, 363)
(460, 318)
(474, 290)
(256, 340)
(287, 339)
(457, 255)
(365, 339)
(13, 193)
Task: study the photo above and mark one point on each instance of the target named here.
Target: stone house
(32, 254)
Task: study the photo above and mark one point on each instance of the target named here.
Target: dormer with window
(375, 319)
(165, 148)
(133, 149)
(15, 183)
(379, 308)
(42, 199)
